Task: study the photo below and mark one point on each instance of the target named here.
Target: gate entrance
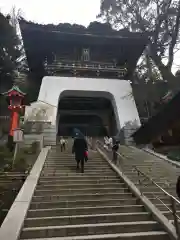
(94, 116)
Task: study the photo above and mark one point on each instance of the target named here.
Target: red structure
(16, 104)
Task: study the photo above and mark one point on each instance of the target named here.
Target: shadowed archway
(94, 116)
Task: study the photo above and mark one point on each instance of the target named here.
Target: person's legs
(114, 156)
(77, 164)
(64, 146)
(82, 165)
(61, 148)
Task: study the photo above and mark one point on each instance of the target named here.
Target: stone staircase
(68, 205)
(159, 170)
(162, 172)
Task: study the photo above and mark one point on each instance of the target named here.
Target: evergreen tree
(9, 52)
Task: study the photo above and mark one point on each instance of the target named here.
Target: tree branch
(174, 38)
(160, 18)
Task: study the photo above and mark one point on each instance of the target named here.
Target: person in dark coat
(178, 187)
(80, 148)
(115, 148)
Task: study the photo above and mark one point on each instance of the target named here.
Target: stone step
(87, 219)
(75, 174)
(73, 167)
(162, 185)
(68, 205)
(87, 196)
(158, 191)
(82, 203)
(163, 207)
(74, 191)
(84, 210)
(69, 166)
(155, 235)
(78, 177)
(72, 159)
(147, 169)
(92, 203)
(154, 178)
(164, 199)
(160, 174)
(169, 214)
(83, 185)
(72, 156)
(79, 182)
(153, 189)
(69, 163)
(157, 194)
(89, 229)
(88, 163)
(68, 159)
(73, 170)
(143, 166)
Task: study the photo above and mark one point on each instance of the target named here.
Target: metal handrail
(157, 185)
(174, 200)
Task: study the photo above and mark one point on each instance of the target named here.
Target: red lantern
(15, 98)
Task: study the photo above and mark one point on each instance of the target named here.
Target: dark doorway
(92, 115)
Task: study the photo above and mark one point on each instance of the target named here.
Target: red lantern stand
(15, 98)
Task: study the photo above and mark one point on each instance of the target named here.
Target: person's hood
(78, 133)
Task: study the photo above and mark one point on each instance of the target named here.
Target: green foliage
(174, 155)
(159, 19)
(20, 163)
(5, 151)
(5, 158)
(9, 52)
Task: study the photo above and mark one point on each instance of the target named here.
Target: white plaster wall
(39, 111)
(52, 88)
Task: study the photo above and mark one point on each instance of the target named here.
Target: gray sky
(55, 11)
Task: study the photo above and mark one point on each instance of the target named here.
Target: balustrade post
(139, 181)
(42, 141)
(176, 224)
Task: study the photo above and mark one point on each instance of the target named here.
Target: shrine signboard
(18, 135)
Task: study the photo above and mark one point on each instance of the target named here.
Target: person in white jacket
(107, 142)
(63, 144)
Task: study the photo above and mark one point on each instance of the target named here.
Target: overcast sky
(55, 11)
